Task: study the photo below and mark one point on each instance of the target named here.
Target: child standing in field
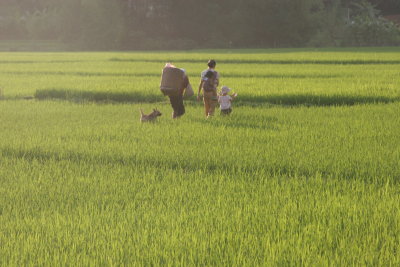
(225, 100)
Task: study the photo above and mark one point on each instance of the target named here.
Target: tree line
(185, 24)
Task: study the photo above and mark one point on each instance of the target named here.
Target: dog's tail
(141, 112)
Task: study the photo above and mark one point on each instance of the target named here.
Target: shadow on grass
(242, 100)
(92, 96)
(267, 61)
(135, 161)
(224, 61)
(158, 75)
(268, 123)
(313, 100)
(39, 61)
(83, 73)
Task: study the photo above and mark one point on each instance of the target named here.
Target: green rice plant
(266, 75)
(304, 172)
(107, 96)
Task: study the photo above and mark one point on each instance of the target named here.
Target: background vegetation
(188, 24)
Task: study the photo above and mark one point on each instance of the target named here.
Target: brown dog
(150, 117)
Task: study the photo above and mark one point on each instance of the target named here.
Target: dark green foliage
(368, 27)
(188, 24)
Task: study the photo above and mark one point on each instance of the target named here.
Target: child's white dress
(225, 102)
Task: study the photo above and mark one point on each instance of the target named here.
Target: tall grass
(268, 76)
(297, 183)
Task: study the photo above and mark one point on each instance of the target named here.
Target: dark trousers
(177, 105)
(226, 111)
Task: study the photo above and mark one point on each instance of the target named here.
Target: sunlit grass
(304, 172)
(291, 72)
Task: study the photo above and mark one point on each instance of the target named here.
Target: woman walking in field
(177, 100)
(209, 82)
(174, 83)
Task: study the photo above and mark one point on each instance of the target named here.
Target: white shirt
(225, 101)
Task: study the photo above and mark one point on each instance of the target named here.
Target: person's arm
(200, 86)
(217, 78)
(185, 84)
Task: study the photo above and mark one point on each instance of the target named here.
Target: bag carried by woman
(188, 91)
(172, 79)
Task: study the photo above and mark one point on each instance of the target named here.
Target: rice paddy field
(304, 172)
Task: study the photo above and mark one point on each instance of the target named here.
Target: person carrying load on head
(175, 83)
(209, 83)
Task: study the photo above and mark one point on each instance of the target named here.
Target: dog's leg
(142, 116)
